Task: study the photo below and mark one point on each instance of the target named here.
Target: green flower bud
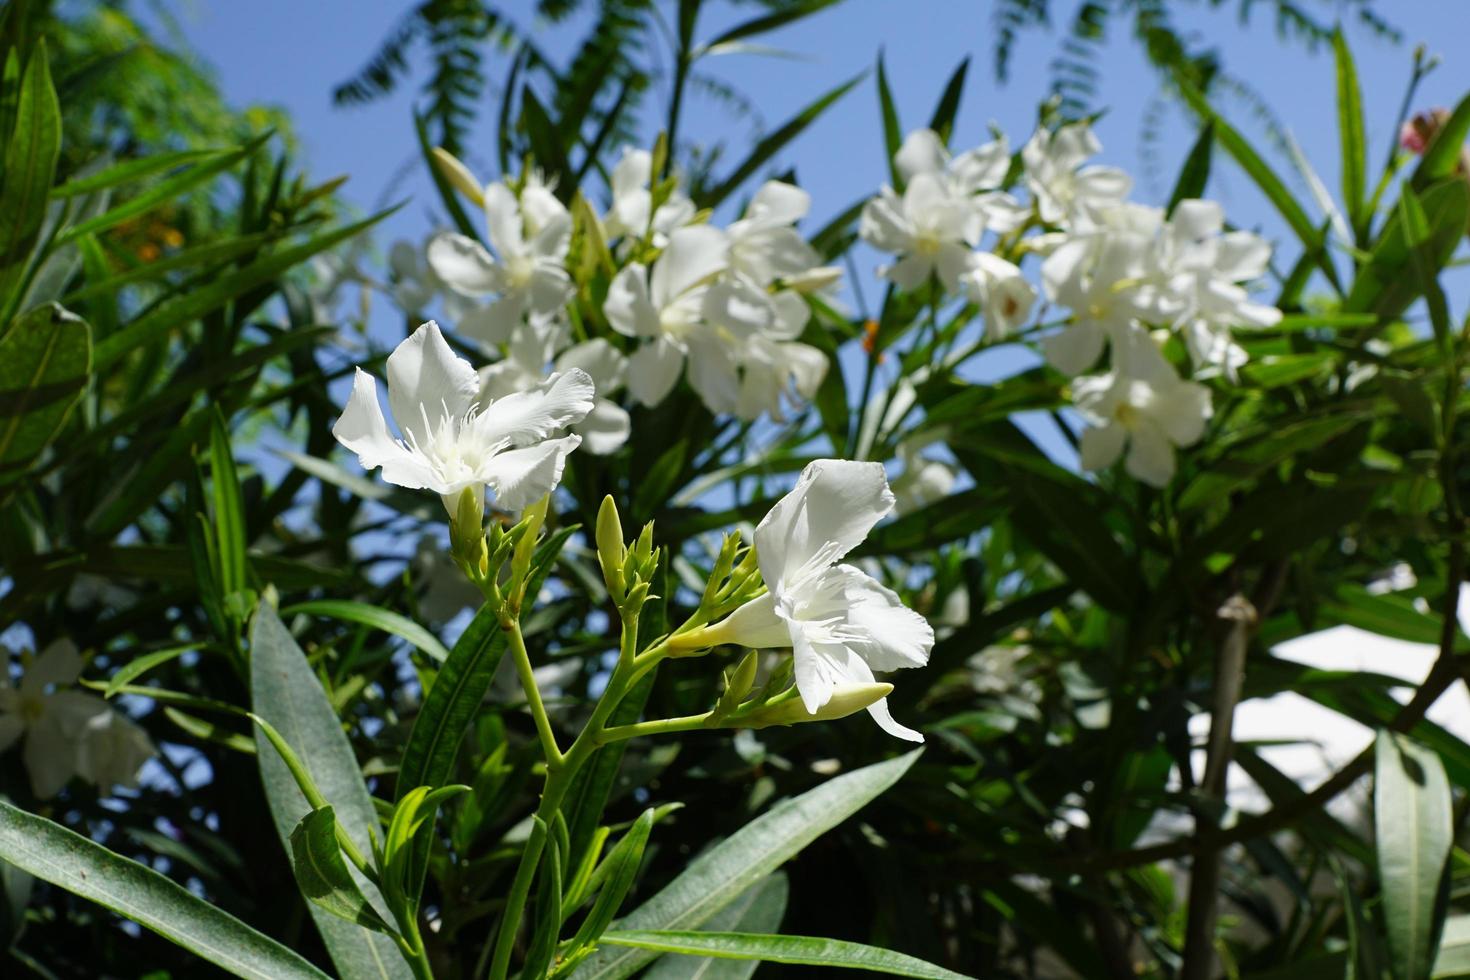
(611, 552)
(790, 710)
(467, 532)
(458, 175)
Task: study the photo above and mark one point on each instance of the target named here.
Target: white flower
(449, 442)
(923, 481)
(1001, 291)
(631, 200)
(840, 623)
(974, 176)
(764, 243)
(1066, 192)
(745, 357)
(1142, 404)
(537, 345)
(931, 228)
(531, 237)
(665, 307)
(67, 732)
(1206, 264)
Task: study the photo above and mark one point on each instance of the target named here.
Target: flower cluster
(1121, 271)
(67, 732)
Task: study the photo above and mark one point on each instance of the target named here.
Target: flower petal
(605, 429)
(693, 255)
(1101, 446)
(520, 477)
(922, 152)
(363, 429)
(427, 379)
(503, 219)
(834, 505)
(653, 370)
(628, 307)
(897, 637)
(463, 264)
(529, 416)
(58, 664)
(603, 362)
(1150, 457)
(756, 625)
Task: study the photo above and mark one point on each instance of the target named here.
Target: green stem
(554, 756)
(662, 726)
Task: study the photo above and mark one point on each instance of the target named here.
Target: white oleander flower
(923, 481)
(931, 228)
(765, 245)
(1141, 405)
(450, 441)
(1002, 292)
(745, 357)
(527, 273)
(1206, 265)
(975, 176)
(841, 624)
(539, 349)
(67, 732)
(1068, 193)
(628, 215)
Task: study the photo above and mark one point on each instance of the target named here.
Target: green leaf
(68, 860)
(138, 666)
(1413, 823)
(1350, 131)
(623, 864)
(1277, 370)
(546, 142)
(1195, 174)
(381, 619)
(44, 362)
(1442, 156)
(162, 192)
(719, 875)
(760, 909)
(548, 908)
(30, 167)
(800, 950)
(229, 510)
(942, 122)
(1386, 284)
(157, 322)
(130, 170)
(767, 22)
(772, 144)
(1454, 949)
(322, 872)
(892, 132)
(286, 693)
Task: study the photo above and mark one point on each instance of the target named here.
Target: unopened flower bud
(466, 529)
(845, 700)
(611, 552)
(531, 520)
(458, 175)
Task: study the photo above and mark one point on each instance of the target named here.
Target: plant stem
(554, 756)
(662, 726)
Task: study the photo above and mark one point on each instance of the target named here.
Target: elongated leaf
(190, 306)
(382, 619)
(162, 192)
(1350, 130)
(1454, 949)
(322, 873)
(206, 254)
(130, 170)
(1387, 284)
(451, 702)
(623, 865)
(801, 950)
(718, 876)
(44, 362)
(767, 22)
(942, 122)
(1413, 825)
(1194, 176)
(892, 132)
(773, 143)
(30, 167)
(1442, 155)
(229, 510)
(67, 860)
(286, 693)
(759, 910)
(138, 666)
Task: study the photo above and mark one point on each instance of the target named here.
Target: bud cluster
(626, 571)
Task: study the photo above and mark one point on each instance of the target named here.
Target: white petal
(605, 429)
(653, 370)
(603, 362)
(756, 625)
(529, 416)
(463, 264)
(1193, 220)
(628, 307)
(897, 636)
(363, 429)
(1101, 446)
(503, 218)
(922, 152)
(50, 758)
(1150, 457)
(1074, 349)
(835, 503)
(878, 710)
(808, 367)
(819, 668)
(791, 315)
(520, 477)
(1183, 413)
(693, 255)
(59, 664)
(551, 287)
(547, 220)
(426, 377)
(1242, 256)
(713, 371)
(985, 166)
(497, 322)
(779, 202)
(909, 272)
(884, 224)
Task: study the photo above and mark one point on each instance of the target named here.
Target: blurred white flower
(450, 442)
(840, 623)
(931, 228)
(1143, 405)
(922, 482)
(1002, 292)
(628, 216)
(527, 273)
(1066, 192)
(67, 732)
(765, 245)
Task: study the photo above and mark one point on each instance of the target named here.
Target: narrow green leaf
(190, 306)
(68, 860)
(548, 908)
(139, 666)
(623, 864)
(767, 22)
(45, 359)
(447, 194)
(209, 253)
(1442, 156)
(285, 691)
(322, 872)
(942, 122)
(382, 619)
(162, 192)
(772, 144)
(1386, 284)
(717, 877)
(130, 170)
(1454, 949)
(892, 131)
(1413, 824)
(800, 950)
(546, 141)
(30, 167)
(760, 909)
(1194, 176)
(1350, 131)
(229, 510)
